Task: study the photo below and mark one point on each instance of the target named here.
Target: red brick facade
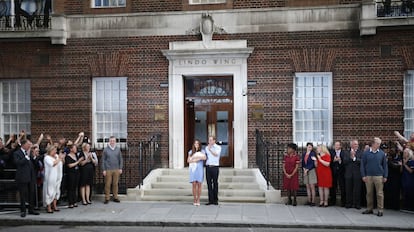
(84, 7)
(367, 82)
(367, 86)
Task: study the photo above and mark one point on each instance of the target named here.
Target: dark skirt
(86, 174)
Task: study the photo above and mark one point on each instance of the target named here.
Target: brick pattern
(134, 6)
(349, 1)
(157, 6)
(367, 87)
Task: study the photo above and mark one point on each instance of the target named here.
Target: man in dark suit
(25, 177)
(353, 182)
(338, 173)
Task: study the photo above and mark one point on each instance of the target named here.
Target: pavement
(183, 214)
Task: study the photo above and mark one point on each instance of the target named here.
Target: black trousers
(353, 191)
(27, 194)
(338, 179)
(212, 173)
(72, 186)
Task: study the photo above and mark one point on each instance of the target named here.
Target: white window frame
(327, 137)
(205, 2)
(117, 134)
(408, 103)
(17, 99)
(109, 5)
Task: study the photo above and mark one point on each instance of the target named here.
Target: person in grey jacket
(111, 169)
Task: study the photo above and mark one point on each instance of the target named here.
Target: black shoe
(289, 202)
(117, 200)
(294, 203)
(312, 204)
(209, 203)
(357, 207)
(380, 214)
(33, 212)
(215, 203)
(106, 201)
(23, 214)
(347, 206)
(368, 212)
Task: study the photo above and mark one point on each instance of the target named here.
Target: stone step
(222, 171)
(187, 192)
(204, 199)
(224, 179)
(187, 185)
(235, 185)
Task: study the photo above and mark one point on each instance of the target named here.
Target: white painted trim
(210, 62)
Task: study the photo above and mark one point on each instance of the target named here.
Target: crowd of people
(386, 170)
(47, 170)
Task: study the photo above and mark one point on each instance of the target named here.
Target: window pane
(312, 111)
(409, 103)
(16, 106)
(111, 108)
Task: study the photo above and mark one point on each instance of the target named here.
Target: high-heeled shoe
(84, 203)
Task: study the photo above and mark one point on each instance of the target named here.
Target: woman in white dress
(53, 177)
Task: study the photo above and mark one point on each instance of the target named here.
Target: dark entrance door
(209, 111)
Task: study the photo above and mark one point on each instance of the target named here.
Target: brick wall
(367, 84)
(84, 7)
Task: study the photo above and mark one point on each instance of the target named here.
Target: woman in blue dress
(196, 157)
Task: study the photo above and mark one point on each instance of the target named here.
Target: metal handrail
(395, 8)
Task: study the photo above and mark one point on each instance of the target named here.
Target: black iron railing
(269, 159)
(32, 23)
(395, 8)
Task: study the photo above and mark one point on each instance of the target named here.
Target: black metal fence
(269, 157)
(395, 8)
(32, 23)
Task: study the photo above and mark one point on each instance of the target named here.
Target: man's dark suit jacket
(24, 168)
(335, 166)
(352, 168)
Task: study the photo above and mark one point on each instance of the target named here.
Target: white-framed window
(409, 103)
(15, 108)
(199, 2)
(108, 3)
(312, 108)
(109, 109)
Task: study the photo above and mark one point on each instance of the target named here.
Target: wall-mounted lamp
(164, 85)
(251, 83)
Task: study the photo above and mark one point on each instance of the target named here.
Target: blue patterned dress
(196, 170)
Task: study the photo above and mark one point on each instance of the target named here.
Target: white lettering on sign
(198, 62)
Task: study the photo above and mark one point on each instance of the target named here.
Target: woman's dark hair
(293, 146)
(194, 149)
(309, 143)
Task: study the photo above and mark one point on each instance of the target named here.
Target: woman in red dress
(290, 170)
(324, 174)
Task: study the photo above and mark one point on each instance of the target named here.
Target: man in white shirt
(212, 170)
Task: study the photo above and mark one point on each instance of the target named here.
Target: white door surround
(215, 58)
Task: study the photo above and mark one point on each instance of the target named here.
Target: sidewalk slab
(222, 215)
